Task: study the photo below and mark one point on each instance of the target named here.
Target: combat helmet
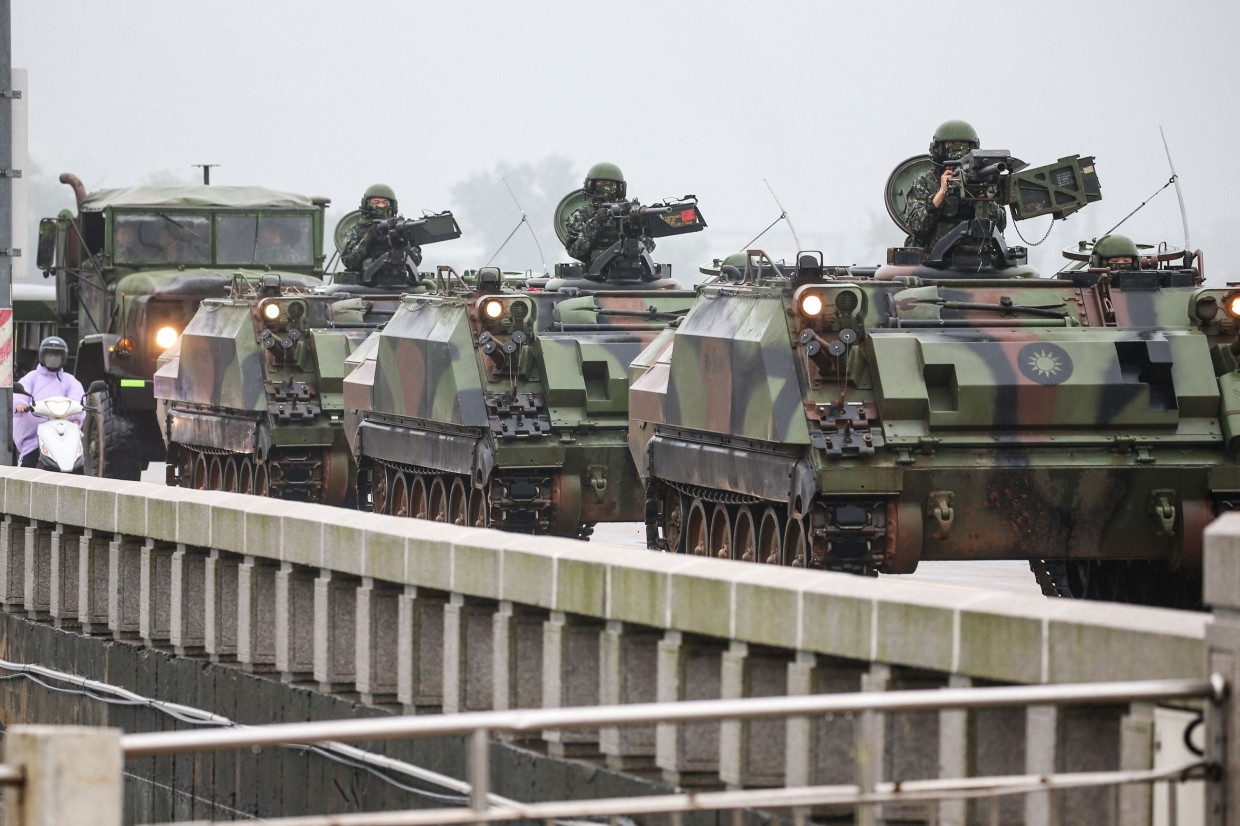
(1115, 246)
(952, 130)
(603, 172)
(53, 351)
(379, 191)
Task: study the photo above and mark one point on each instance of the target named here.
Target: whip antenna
(783, 213)
(524, 220)
(1178, 194)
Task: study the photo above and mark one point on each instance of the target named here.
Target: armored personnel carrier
(251, 396)
(482, 405)
(865, 419)
(131, 268)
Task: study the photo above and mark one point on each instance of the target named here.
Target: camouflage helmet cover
(378, 191)
(952, 130)
(1114, 246)
(604, 171)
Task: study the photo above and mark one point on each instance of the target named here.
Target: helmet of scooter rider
(53, 353)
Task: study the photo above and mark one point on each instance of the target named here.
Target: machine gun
(1057, 189)
(628, 256)
(401, 235)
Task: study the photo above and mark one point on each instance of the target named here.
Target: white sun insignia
(1044, 363)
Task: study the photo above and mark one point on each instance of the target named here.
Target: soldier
(930, 210)
(591, 230)
(1115, 252)
(273, 249)
(364, 242)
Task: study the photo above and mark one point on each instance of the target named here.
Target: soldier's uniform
(363, 243)
(927, 224)
(586, 237)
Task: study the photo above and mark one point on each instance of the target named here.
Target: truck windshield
(162, 239)
(265, 239)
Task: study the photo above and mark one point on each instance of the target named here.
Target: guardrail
(38, 763)
(437, 618)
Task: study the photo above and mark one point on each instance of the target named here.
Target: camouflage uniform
(587, 237)
(363, 244)
(927, 223)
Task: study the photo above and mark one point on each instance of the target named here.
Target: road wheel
(379, 489)
(770, 538)
(245, 476)
(479, 508)
(744, 537)
(719, 542)
(437, 502)
(674, 521)
(262, 482)
(215, 474)
(398, 504)
(696, 528)
(201, 472)
(458, 503)
(794, 544)
(230, 474)
(112, 449)
(417, 496)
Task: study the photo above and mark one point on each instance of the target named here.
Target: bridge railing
(42, 757)
(432, 618)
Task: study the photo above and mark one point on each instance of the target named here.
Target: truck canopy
(195, 195)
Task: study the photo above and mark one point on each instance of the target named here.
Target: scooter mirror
(17, 388)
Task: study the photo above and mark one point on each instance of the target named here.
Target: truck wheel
(111, 448)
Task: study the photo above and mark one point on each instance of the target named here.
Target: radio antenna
(783, 216)
(1178, 194)
(524, 220)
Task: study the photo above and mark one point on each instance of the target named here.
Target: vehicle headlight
(166, 337)
(493, 308)
(58, 407)
(271, 311)
(1232, 304)
(812, 305)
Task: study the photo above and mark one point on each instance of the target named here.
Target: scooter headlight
(58, 407)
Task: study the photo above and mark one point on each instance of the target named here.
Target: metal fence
(799, 802)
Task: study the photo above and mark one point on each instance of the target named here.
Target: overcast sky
(818, 99)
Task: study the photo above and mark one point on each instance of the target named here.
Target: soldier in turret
(932, 210)
(1115, 252)
(364, 242)
(590, 230)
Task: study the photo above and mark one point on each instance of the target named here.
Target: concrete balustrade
(423, 617)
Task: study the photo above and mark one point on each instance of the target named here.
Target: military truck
(482, 405)
(865, 419)
(131, 267)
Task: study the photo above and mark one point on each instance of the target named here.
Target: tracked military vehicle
(251, 396)
(482, 405)
(131, 268)
(866, 419)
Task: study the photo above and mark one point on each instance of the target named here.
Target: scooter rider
(48, 378)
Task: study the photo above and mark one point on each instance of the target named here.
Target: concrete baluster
(13, 563)
(124, 587)
(377, 641)
(256, 603)
(38, 559)
(155, 612)
(92, 562)
(752, 752)
(187, 622)
(468, 631)
(63, 571)
(518, 676)
(689, 668)
(571, 678)
(420, 650)
(628, 673)
(335, 631)
(72, 774)
(222, 619)
(295, 622)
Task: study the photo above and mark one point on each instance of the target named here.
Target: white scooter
(60, 438)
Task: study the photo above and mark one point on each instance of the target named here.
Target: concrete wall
(424, 617)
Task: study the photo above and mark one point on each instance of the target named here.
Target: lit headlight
(493, 308)
(271, 311)
(1232, 304)
(58, 407)
(166, 337)
(812, 305)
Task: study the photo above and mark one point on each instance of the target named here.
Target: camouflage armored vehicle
(866, 420)
(482, 405)
(251, 397)
(131, 268)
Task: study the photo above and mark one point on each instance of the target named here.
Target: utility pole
(7, 249)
